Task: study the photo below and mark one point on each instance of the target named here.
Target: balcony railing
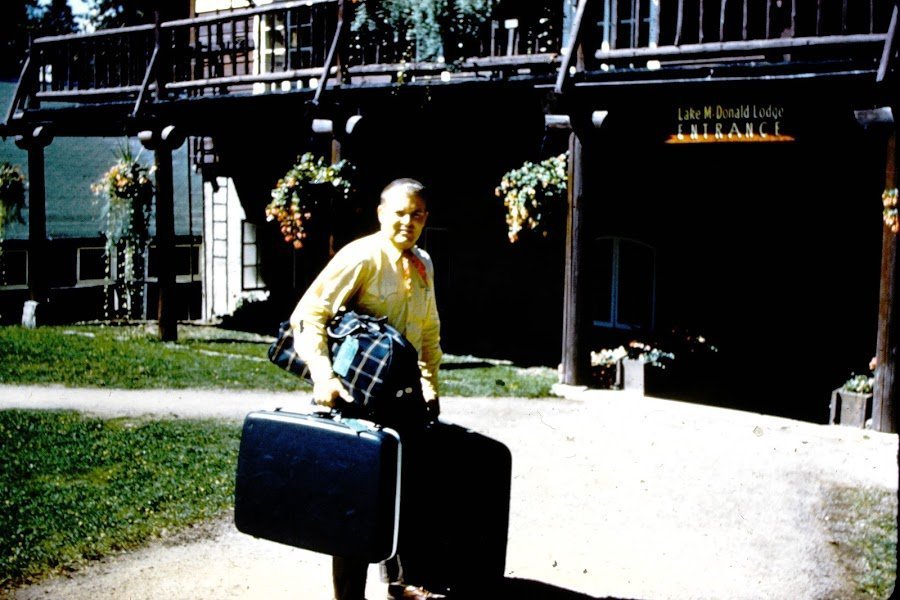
(305, 44)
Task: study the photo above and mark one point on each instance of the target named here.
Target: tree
(109, 14)
(17, 23)
(56, 19)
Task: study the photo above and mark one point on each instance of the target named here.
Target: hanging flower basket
(889, 214)
(533, 195)
(308, 189)
(12, 196)
(128, 193)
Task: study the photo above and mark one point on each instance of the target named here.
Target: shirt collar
(390, 250)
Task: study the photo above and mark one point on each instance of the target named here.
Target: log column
(576, 355)
(163, 142)
(880, 123)
(34, 143)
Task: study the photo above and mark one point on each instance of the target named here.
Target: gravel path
(613, 495)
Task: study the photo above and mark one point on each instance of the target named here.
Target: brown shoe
(399, 591)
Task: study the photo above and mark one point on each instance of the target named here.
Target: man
(382, 274)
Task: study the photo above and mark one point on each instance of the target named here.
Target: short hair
(411, 187)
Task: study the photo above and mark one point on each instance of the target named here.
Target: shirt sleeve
(333, 288)
(430, 358)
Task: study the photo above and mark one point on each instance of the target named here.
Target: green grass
(132, 357)
(863, 527)
(74, 488)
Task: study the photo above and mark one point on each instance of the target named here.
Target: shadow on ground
(537, 590)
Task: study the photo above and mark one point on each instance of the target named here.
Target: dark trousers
(349, 578)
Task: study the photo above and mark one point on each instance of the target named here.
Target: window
(187, 263)
(251, 274)
(14, 269)
(623, 284)
(91, 266)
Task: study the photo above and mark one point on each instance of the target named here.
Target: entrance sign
(714, 123)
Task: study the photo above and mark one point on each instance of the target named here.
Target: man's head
(402, 212)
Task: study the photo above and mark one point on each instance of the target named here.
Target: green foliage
(57, 19)
(533, 194)
(425, 25)
(12, 195)
(303, 194)
(860, 384)
(77, 488)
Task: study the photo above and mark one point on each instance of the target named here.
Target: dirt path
(613, 495)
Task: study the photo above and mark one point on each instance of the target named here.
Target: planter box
(644, 378)
(850, 408)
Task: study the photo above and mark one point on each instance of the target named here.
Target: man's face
(402, 218)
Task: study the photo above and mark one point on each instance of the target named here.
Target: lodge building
(727, 161)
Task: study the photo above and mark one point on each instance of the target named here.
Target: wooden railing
(682, 29)
(308, 43)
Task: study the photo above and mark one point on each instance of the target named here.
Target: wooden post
(880, 122)
(883, 417)
(35, 142)
(575, 355)
(162, 143)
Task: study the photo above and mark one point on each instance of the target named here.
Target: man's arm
(333, 288)
(431, 354)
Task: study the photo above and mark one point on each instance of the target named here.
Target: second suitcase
(310, 481)
(455, 519)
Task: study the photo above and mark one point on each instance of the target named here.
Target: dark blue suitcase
(319, 482)
(455, 519)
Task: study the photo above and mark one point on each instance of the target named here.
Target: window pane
(635, 285)
(14, 269)
(601, 282)
(91, 264)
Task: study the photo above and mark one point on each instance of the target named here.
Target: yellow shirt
(368, 275)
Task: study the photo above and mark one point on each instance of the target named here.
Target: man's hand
(327, 392)
(432, 409)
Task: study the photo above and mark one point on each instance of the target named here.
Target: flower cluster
(532, 193)
(889, 200)
(307, 187)
(608, 356)
(860, 384)
(648, 354)
(129, 192)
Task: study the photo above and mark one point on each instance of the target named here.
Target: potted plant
(306, 192)
(533, 195)
(851, 404)
(12, 197)
(127, 191)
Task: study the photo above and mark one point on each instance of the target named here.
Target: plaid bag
(374, 361)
